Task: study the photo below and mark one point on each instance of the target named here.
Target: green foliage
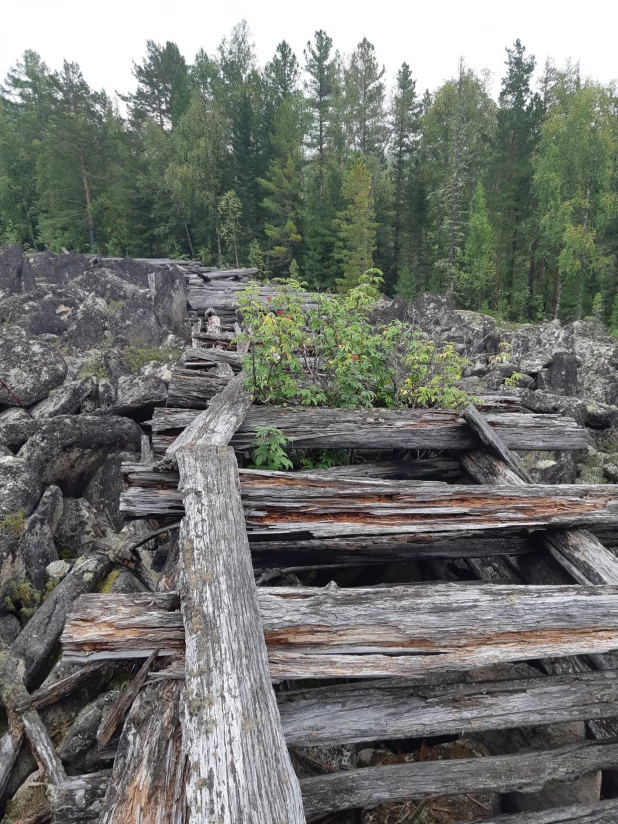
(13, 524)
(269, 450)
(331, 354)
(93, 368)
(356, 227)
(22, 598)
(256, 258)
(136, 356)
(230, 213)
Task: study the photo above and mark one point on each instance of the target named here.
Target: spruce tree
(356, 226)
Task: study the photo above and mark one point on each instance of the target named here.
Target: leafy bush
(22, 598)
(269, 450)
(329, 353)
(93, 368)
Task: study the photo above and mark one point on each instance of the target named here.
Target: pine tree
(475, 275)
(230, 213)
(163, 90)
(364, 101)
(405, 126)
(356, 226)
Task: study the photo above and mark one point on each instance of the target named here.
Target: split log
(193, 389)
(230, 712)
(217, 424)
(605, 812)
(527, 772)
(387, 710)
(196, 356)
(402, 630)
(325, 428)
(288, 503)
(150, 773)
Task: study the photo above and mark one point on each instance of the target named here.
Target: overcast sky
(105, 36)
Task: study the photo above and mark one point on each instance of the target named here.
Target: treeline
(312, 166)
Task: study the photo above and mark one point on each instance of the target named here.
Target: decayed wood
(193, 389)
(403, 630)
(325, 428)
(217, 424)
(605, 812)
(10, 744)
(150, 771)
(230, 712)
(493, 441)
(524, 772)
(288, 502)
(80, 798)
(195, 356)
(577, 550)
(50, 693)
(121, 707)
(386, 710)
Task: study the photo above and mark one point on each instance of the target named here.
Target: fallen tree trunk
(403, 630)
(526, 772)
(325, 428)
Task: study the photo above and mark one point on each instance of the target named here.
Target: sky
(104, 37)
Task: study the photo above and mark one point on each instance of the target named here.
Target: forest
(313, 166)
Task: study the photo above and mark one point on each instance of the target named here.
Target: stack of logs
(206, 738)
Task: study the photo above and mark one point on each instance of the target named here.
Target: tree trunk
(90, 222)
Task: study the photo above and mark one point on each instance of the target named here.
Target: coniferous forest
(315, 166)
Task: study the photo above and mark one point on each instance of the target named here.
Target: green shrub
(93, 368)
(22, 598)
(330, 354)
(136, 356)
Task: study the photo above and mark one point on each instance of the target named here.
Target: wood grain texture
(605, 812)
(193, 389)
(80, 798)
(230, 716)
(403, 630)
(387, 710)
(494, 442)
(325, 428)
(217, 424)
(527, 772)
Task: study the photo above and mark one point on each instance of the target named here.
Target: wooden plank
(230, 712)
(389, 710)
(524, 772)
(402, 630)
(217, 424)
(288, 502)
(604, 812)
(324, 428)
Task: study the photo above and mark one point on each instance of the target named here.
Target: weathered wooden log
(288, 502)
(494, 442)
(324, 428)
(605, 812)
(403, 630)
(195, 356)
(230, 712)
(80, 798)
(192, 389)
(149, 772)
(10, 744)
(125, 701)
(525, 772)
(387, 710)
(577, 550)
(217, 424)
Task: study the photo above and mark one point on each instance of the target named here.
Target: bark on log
(194, 356)
(526, 772)
(10, 744)
(403, 630)
(230, 713)
(216, 425)
(605, 812)
(193, 389)
(387, 710)
(325, 428)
